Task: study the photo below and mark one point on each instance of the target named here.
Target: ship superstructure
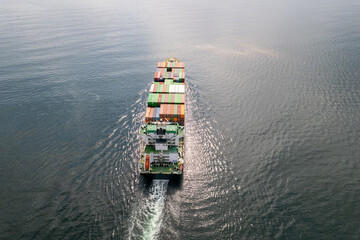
(164, 131)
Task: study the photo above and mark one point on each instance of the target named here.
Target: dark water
(273, 119)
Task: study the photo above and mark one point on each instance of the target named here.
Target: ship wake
(147, 217)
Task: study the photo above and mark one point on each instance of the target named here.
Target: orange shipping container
(183, 111)
(167, 114)
(179, 111)
(163, 116)
(147, 114)
(166, 109)
(161, 110)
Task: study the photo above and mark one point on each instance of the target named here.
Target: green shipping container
(172, 98)
(169, 81)
(177, 98)
(176, 110)
(150, 100)
(155, 100)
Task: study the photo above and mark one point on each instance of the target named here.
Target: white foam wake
(148, 215)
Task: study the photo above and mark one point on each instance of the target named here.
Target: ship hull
(162, 154)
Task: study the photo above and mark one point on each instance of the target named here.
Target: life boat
(147, 163)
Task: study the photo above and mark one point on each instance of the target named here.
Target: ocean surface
(272, 119)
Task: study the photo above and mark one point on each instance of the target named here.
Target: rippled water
(273, 119)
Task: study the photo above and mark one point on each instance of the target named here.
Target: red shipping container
(162, 72)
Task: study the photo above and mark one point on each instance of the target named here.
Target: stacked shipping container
(170, 71)
(156, 99)
(166, 101)
(167, 88)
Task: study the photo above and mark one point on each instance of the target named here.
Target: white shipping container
(172, 89)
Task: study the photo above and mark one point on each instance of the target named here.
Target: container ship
(163, 134)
